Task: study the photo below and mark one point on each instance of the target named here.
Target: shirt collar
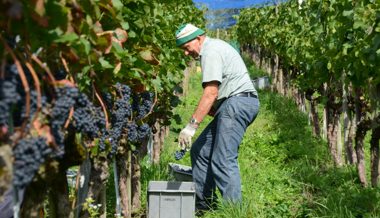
(207, 39)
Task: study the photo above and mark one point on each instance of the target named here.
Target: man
(230, 97)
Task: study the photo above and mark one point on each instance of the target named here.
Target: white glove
(185, 136)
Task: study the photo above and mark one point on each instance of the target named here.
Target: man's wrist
(194, 123)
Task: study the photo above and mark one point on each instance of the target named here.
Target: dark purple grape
(65, 100)
(178, 155)
(88, 119)
(119, 118)
(29, 154)
(142, 104)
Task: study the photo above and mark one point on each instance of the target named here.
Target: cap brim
(183, 40)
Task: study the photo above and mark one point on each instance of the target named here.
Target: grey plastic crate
(171, 199)
(181, 172)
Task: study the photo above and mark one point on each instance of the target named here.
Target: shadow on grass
(328, 191)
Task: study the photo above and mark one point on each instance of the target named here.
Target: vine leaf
(157, 83)
(86, 44)
(117, 4)
(105, 64)
(68, 37)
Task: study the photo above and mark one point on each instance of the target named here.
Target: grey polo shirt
(221, 62)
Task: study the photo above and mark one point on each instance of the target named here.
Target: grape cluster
(108, 101)
(143, 131)
(142, 104)
(29, 154)
(9, 92)
(60, 74)
(13, 97)
(88, 119)
(137, 133)
(33, 105)
(4, 113)
(132, 132)
(178, 155)
(66, 98)
(119, 118)
(127, 110)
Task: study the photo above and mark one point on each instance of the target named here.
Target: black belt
(245, 94)
(241, 94)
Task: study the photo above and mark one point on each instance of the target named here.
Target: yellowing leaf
(117, 68)
(148, 56)
(40, 7)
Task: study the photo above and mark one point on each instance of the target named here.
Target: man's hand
(185, 136)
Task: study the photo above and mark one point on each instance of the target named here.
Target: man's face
(192, 48)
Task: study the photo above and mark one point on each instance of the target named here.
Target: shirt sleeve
(212, 67)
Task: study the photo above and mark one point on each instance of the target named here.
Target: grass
(286, 172)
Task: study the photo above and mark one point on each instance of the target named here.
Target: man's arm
(210, 94)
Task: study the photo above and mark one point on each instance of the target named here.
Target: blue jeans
(214, 154)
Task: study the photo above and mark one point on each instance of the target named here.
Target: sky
(224, 4)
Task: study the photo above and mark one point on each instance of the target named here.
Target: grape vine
(101, 71)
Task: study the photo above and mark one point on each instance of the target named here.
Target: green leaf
(117, 4)
(125, 25)
(359, 24)
(348, 13)
(157, 83)
(147, 9)
(86, 69)
(56, 31)
(94, 151)
(316, 95)
(86, 44)
(139, 23)
(137, 72)
(105, 64)
(131, 34)
(133, 147)
(69, 37)
(117, 47)
(158, 11)
(329, 66)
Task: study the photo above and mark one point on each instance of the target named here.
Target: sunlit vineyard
(93, 87)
